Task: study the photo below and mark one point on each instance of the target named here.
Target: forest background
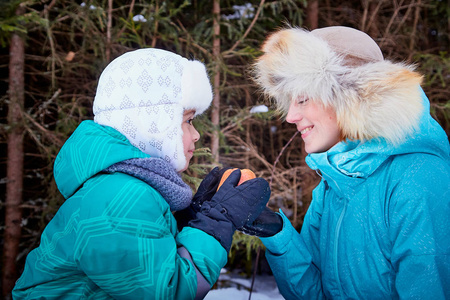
(53, 51)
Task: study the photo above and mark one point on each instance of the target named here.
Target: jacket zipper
(336, 240)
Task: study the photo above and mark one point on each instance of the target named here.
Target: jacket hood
(349, 163)
(89, 150)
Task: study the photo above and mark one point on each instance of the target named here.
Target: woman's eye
(189, 121)
(302, 101)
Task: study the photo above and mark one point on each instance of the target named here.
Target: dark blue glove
(268, 223)
(232, 207)
(208, 187)
(205, 191)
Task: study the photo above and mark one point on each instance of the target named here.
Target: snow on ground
(235, 287)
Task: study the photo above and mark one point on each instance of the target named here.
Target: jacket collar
(350, 163)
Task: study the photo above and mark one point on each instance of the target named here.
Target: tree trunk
(373, 30)
(215, 113)
(412, 41)
(14, 173)
(312, 14)
(108, 31)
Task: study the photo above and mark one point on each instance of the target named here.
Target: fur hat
(143, 94)
(343, 68)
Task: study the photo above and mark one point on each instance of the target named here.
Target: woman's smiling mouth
(306, 130)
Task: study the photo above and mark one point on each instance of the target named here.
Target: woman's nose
(293, 115)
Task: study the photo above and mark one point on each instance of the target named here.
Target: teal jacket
(114, 236)
(378, 226)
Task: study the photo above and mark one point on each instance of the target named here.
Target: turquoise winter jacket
(115, 236)
(378, 226)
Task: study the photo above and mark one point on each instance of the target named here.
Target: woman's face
(316, 123)
(190, 136)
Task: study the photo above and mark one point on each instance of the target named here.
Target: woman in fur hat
(115, 235)
(378, 226)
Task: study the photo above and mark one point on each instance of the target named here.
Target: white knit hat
(143, 94)
(343, 68)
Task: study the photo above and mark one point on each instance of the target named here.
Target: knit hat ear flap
(372, 98)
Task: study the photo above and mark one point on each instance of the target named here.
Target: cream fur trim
(196, 87)
(375, 100)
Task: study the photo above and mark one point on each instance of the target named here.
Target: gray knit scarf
(160, 175)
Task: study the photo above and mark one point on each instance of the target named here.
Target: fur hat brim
(377, 99)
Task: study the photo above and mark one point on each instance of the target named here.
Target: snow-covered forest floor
(233, 286)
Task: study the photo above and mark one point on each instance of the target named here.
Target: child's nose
(195, 134)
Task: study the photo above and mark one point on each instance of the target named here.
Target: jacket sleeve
(294, 258)
(128, 248)
(419, 228)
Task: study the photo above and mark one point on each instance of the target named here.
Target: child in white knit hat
(115, 236)
(378, 224)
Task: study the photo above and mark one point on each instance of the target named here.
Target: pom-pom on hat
(343, 68)
(143, 94)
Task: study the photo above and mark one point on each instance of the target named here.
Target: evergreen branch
(225, 54)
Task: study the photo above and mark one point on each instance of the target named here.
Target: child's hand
(207, 188)
(205, 192)
(240, 204)
(232, 207)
